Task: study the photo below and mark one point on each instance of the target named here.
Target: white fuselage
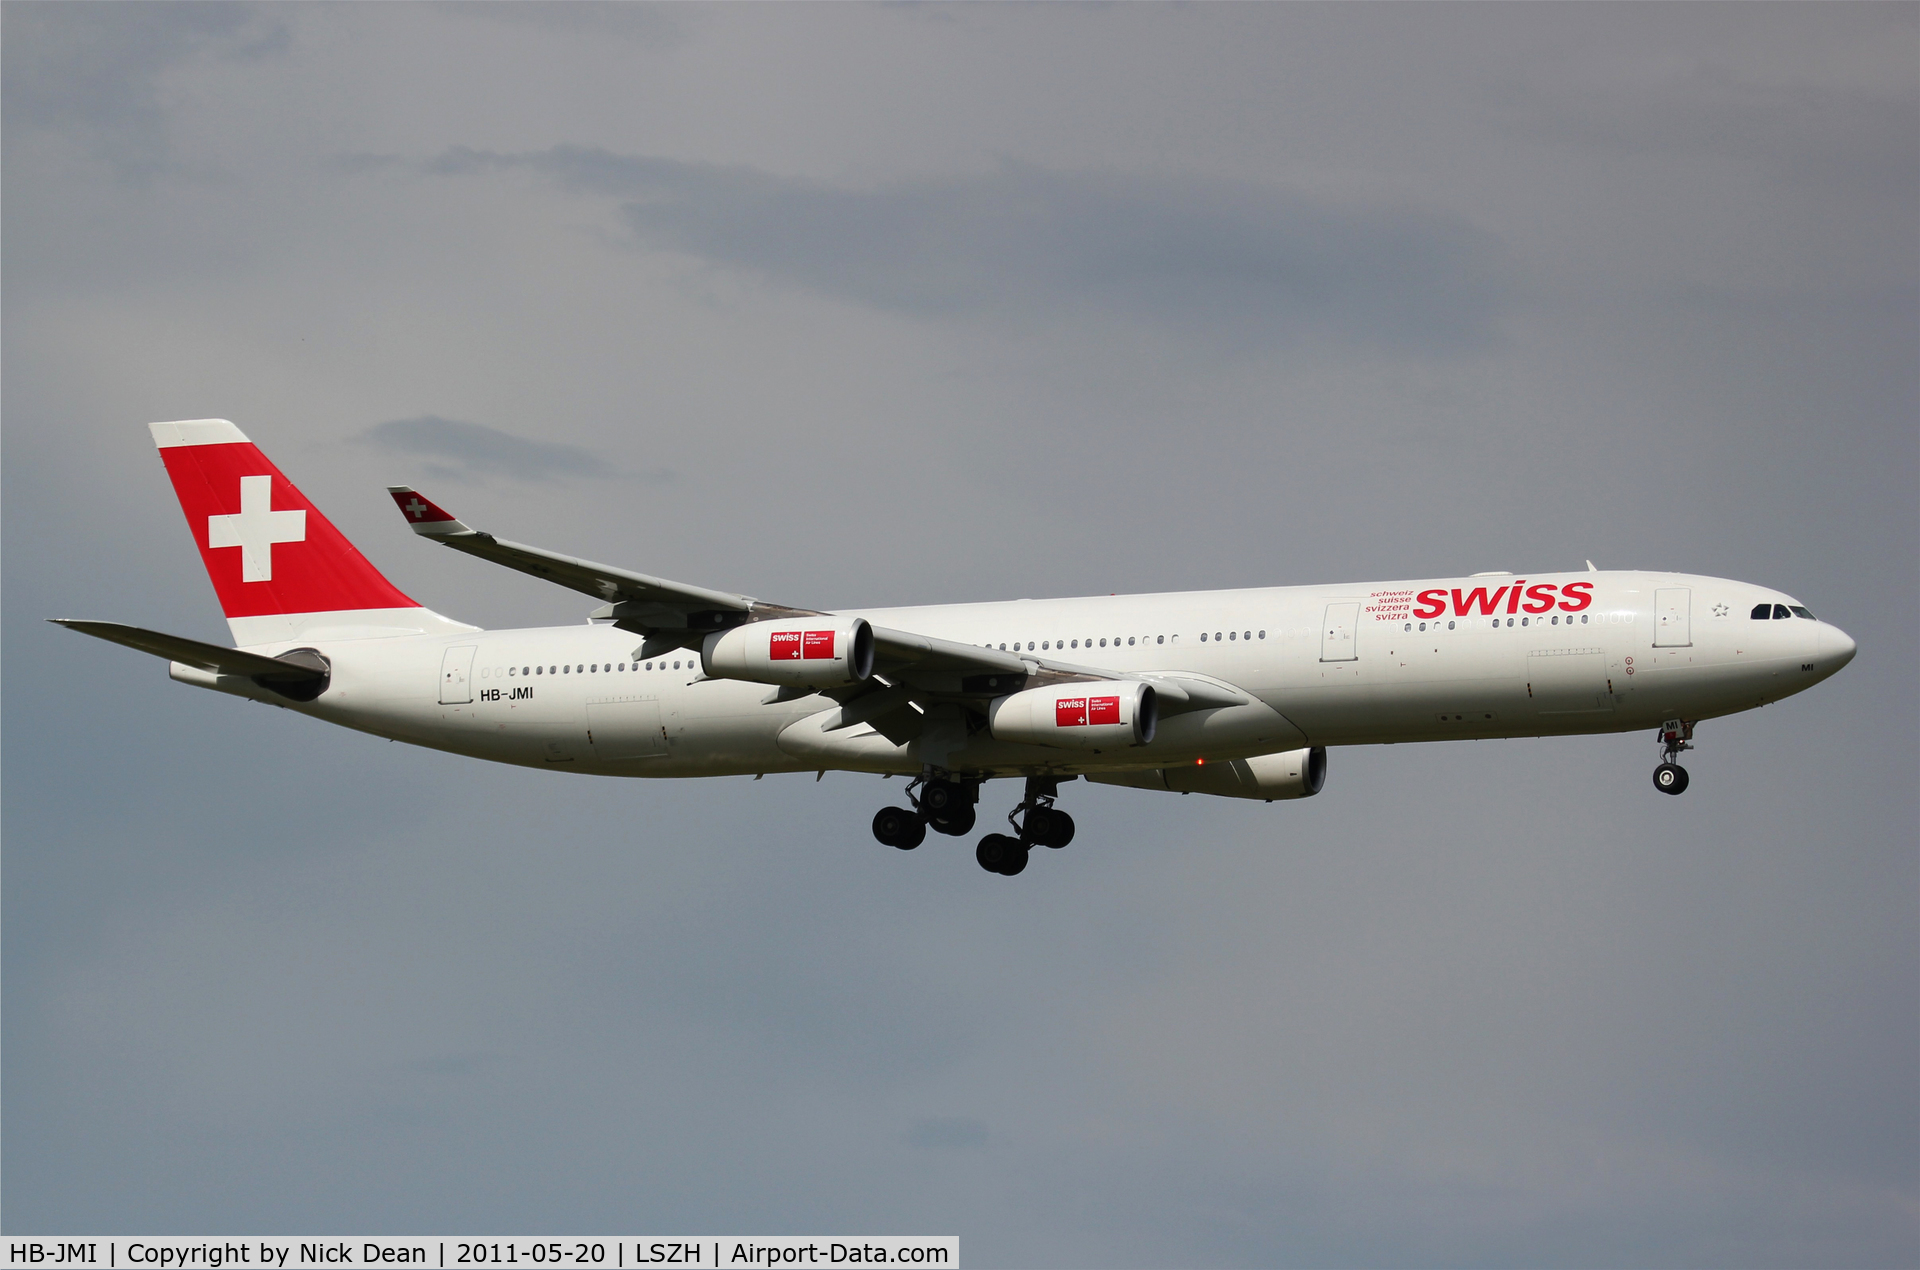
(1320, 666)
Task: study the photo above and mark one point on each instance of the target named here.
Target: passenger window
(1216, 637)
(1523, 622)
(1130, 641)
(1203, 637)
(539, 670)
(1799, 611)
(1160, 639)
(1263, 634)
(1449, 625)
(1761, 612)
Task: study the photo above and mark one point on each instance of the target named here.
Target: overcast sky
(872, 305)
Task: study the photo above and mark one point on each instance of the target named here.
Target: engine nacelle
(1294, 774)
(1081, 716)
(808, 652)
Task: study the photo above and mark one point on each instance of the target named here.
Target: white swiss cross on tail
(256, 528)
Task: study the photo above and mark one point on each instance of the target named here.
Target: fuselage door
(1336, 633)
(625, 727)
(456, 676)
(1672, 626)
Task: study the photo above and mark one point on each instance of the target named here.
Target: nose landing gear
(1675, 735)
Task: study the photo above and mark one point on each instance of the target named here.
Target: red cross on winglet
(424, 515)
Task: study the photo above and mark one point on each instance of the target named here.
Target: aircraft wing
(679, 615)
(191, 652)
(678, 612)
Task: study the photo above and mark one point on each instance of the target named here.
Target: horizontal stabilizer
(191, 652)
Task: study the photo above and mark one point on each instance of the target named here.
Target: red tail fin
(276, 562)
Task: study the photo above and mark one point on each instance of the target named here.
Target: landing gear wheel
(956, 821)
(1670, 778)
(1061, 833)
(938, 796)
(1039, 824)
(898, 827)
(998, 853)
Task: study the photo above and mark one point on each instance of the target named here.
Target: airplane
(1236, 693)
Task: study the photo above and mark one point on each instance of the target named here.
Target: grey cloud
(91, 72)
(1236, 262)
(463, 450)
(1804, 134)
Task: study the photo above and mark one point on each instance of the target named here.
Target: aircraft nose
(1836, 647)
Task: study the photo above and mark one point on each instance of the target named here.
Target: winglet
(425, 516)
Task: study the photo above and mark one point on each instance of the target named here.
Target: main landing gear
(1675, 735)
(1036, 823)
(947, 806)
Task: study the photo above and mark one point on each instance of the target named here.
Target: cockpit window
(1761, 612)
(1801, 610)
(1780, 613)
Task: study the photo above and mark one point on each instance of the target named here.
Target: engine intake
(816, 652)
(1079, 716)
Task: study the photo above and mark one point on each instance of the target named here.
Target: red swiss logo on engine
(1070, 712)
(783, 646)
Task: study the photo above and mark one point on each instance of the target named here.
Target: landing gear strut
(1036, 822)
(1675, 735)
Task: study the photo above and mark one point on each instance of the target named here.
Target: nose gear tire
(1670, 778)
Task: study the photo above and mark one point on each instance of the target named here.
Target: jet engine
(1293, 774)
(1077, 716)
(809, 652)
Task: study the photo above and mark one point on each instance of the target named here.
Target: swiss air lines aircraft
(1236, 693)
